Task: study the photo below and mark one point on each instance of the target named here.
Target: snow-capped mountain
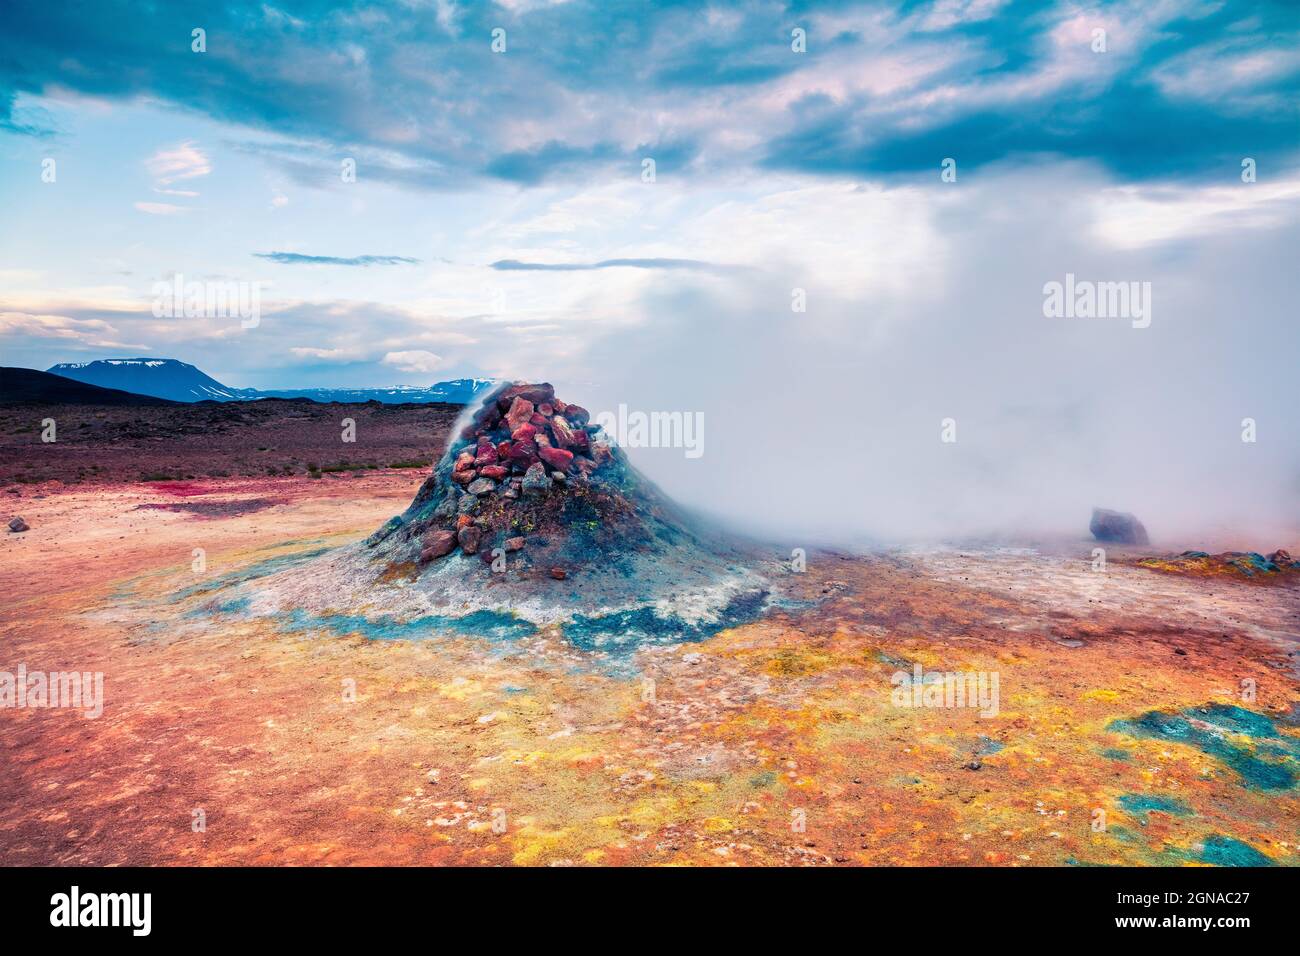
(162, 378)
(181, 382)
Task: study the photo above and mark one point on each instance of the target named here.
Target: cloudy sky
(501, 222)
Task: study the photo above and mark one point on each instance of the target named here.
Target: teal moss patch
(1205, 728)
(626, 631)
(1139, 805)
(1225, 851)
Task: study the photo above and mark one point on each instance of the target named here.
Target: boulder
(1118, 527)
(1281, 558)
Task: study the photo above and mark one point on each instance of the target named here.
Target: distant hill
(181, 382)
(162, 378)
(459, 391)
(27, 386)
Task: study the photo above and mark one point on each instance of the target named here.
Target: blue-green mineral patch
(1207, 729)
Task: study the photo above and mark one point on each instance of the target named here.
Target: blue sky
(499, 223)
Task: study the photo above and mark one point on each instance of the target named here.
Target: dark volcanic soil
(98, 443)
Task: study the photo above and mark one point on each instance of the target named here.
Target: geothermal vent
(533, 513)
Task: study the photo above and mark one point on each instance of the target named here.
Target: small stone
(469, 538)
(524, 432)
(535, 479)
(495, 472)
(463, 521)
(467, 504)
(436, 544)
(464, 477)
(578, 415)
(481, 486)
(557, 458)
(562, 432)
(521, 410)
(514, 544)
(464, 461)
(486, 454)
(559, 573)
(546, 409)
(558, 477)
(18, 525)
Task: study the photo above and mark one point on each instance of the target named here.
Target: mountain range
(182, 382)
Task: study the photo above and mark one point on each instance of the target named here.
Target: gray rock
(535, 478)
(481, 486)
(469, 538)
(18, 525)
(1118, 527)
(467, 505)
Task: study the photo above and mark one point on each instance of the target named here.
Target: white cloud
(416, 361)
(185, 161)
(160, 208)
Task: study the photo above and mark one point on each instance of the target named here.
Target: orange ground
(772, 743)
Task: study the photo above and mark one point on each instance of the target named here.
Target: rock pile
(522, 464)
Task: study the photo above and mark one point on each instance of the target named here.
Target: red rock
(562, 432)
(557, 458)
(469, 538)
(487, 452)
(559, 573)
(520, 411)
(535, 393)
(523, 453)
(495, 472)
(543, 441)
(524, 432)
(486, 555)
(600, 452)
(436, 544)
(514, 544)
(464, 477)
(546, 409)
(585, 465)
(503, 451)
(463, 521)
(578, 415)
(580, 440)
(559, 406)
(537, 421)
(464, 461)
